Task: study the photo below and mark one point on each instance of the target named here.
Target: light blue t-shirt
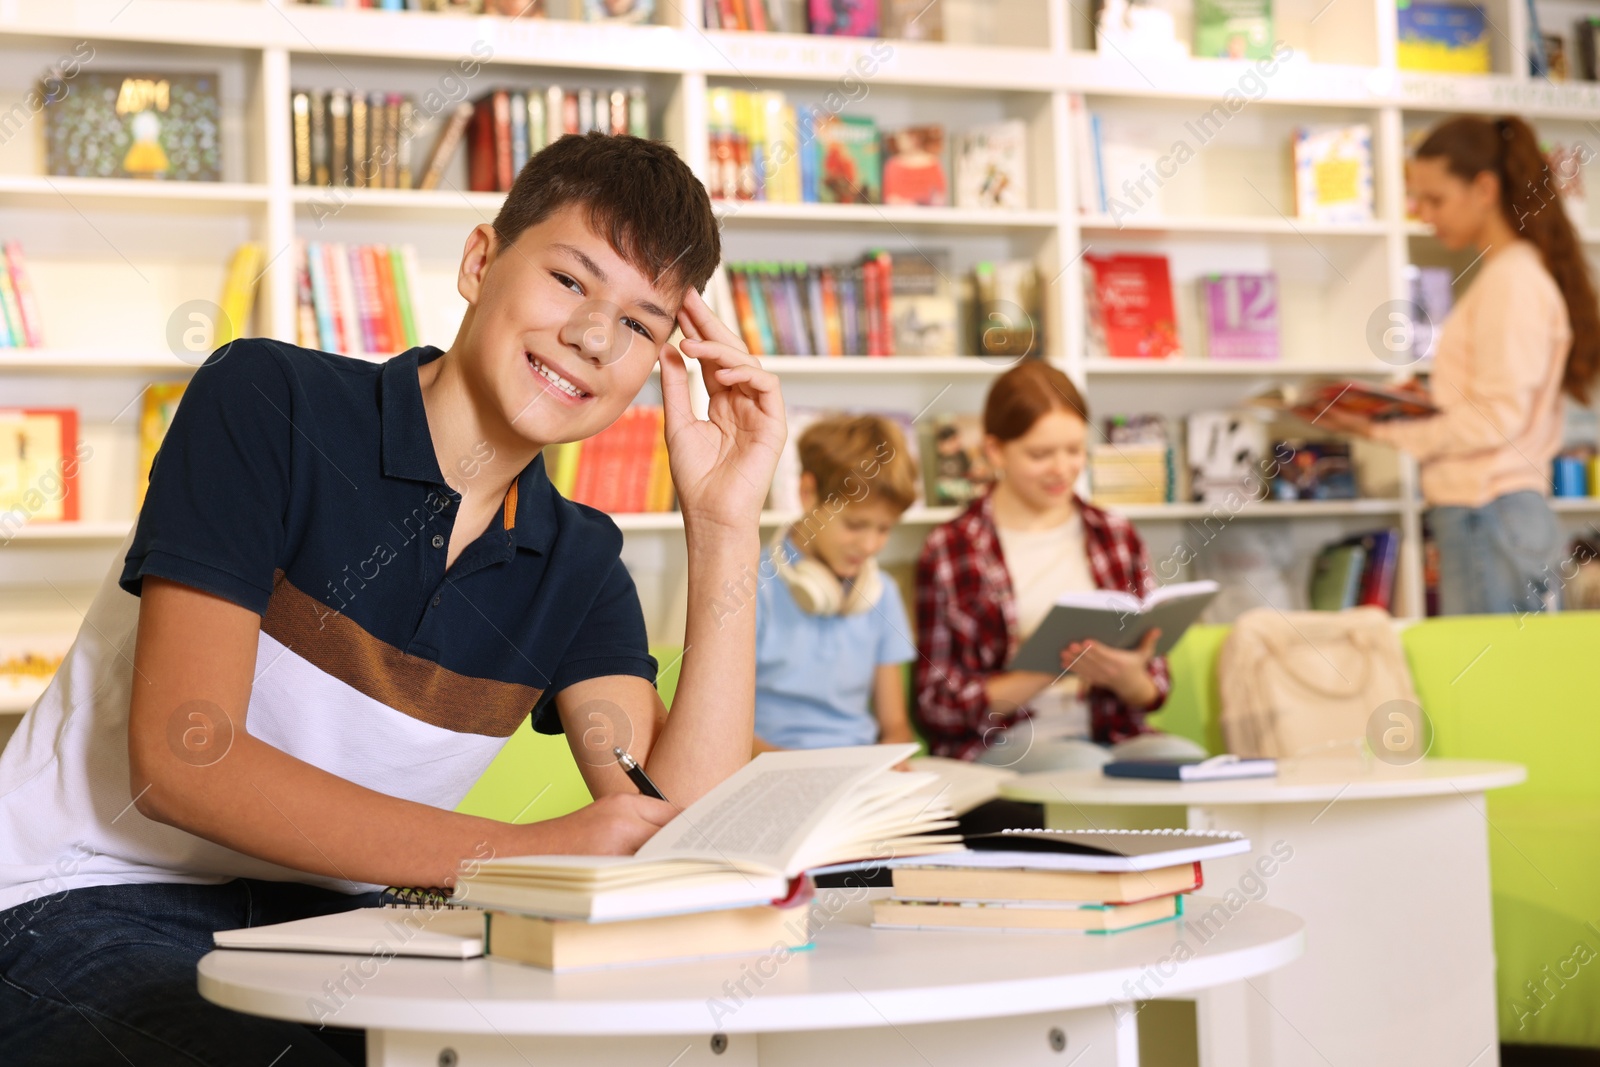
(814, 672)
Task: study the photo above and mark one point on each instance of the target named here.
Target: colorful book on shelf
(1233, 29)
(913, 167)
(163, 125)
(1333, 173)
(848, 167)
(958, 470)
(1442, 37)
(1366, 400)
(1313, 470)
(620, 470)
(1382, 551)
(1129, 307)
(1008, 310)
(991, 166)
(39, 463)
(1240, 313)
(813, 310)
(843, 18)
(158, 405)
(1089, 176)
(508, 126)
(23, 319)
(239, 293)
(1336, 577)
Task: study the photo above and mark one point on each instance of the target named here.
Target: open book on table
(1113, 618)
(741, 844)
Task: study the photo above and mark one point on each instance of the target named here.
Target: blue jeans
(106, 975)
(1496, 559)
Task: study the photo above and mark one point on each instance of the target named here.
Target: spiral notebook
(1088, 850)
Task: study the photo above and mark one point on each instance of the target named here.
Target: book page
(767, 811)
(1179, 591)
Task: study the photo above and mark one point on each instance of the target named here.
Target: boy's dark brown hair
(859, 457)
(641, 198)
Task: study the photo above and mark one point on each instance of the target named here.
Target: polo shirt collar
(408, 453)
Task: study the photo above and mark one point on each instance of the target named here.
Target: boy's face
(858, 533)
(564, 331)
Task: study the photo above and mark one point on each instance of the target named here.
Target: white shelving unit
(114, 261)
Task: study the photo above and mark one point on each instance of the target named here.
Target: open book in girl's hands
(1378, 403)
(782, 814)
(1113, 618)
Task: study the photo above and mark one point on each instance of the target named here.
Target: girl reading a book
(987, 578)
(1525, 333)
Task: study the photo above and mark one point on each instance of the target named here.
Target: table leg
(1086, 1037)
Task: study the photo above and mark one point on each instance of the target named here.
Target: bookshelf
(113, 260)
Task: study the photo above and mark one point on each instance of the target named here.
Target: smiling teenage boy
(349, 583)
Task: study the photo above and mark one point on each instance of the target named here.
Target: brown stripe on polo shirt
(420, 688)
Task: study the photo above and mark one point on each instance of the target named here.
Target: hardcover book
(992, 167)
(1241, 315)
(1233, 29)
(913, 167)
(160, 126)
(843, 18)
(922, 304)
(39, 464)
(849, 167)
(1008, 311)
(1129, 307)
(958, 470)
(1442, 37)
(1333, 173)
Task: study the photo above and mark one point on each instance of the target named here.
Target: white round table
(885, 997)
(1389, 868)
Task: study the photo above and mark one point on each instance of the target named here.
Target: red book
(502, 141)
(1130, 301)
(394, 327)
(758, 16)
(343, 332)
(366, 297)
(869, 283)
(885, 293)
(481, 172)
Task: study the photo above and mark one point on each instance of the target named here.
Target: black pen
(635, 773)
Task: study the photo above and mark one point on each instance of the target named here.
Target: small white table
(1389, 867)
(895, 998)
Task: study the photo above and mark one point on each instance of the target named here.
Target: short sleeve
(894, 637)
(214, 515)
(609, 640)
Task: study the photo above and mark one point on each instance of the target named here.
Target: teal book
(849, 170)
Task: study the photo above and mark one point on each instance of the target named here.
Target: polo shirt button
(438, 540)
(436, 600)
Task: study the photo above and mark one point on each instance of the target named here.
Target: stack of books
(1356, 572)
(724, 877)
(1135, 463)
(1092, 881)
(622, 469)
(356, 299)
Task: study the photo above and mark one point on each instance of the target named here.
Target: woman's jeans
(1496, 559)
(107, 975)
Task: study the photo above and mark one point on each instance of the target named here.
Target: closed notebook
(1113, 618)
(1088, 850)
(564, 944)
(1191, 770)
(1029, 916)
(446, 933)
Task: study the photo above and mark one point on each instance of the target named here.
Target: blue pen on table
(635, 773)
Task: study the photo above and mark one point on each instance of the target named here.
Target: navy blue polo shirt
(304, 486)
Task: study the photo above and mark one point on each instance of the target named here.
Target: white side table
(861, 996)
(1389, 867)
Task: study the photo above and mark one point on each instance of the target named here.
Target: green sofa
(1498, 688)
(1493, 686)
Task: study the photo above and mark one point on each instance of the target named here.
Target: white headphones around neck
(817, 590)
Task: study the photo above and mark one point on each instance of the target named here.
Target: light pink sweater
(1497, 381)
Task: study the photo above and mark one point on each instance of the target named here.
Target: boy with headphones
(831, 631)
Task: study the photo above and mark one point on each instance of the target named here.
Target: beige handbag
(1308, 682)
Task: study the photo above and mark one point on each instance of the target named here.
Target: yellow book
(239, 294)
(659, 496)
(160, 404)
(783, 165)
(561, 464)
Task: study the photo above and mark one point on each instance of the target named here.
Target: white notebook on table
(445, 933)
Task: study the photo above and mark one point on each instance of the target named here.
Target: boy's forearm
(711, 729)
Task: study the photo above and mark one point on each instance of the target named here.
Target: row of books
(510, 125)
(903, 302)
(916, 20)
(1131, 313)
(586, 10)
(1222, 29)
(621, 470)
(356, 299)
(762, 147)
(364, 140)
(1355, 572)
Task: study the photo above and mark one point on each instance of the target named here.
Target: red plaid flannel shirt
(967, 624)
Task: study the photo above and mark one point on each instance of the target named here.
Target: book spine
(660, 499)
(360, 142)
(885, 302)
(305, 312)
(831, 312)
(758, 300)
(480, 161)
(391, 141)
(408, 255)
(519, 132)
(869, 286)
(300, 109)
(751, 332)
(366, 298)
(402, 296)
(15, 331)
(571, 116)
(321, 300)
(27, 303)
(638, 113)
(793, 290)
(319, 138)
(339, 134)
(538, 128)
(405, 121)
(349, 316)
(444, 149)
(238, 294)
(389, 288)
